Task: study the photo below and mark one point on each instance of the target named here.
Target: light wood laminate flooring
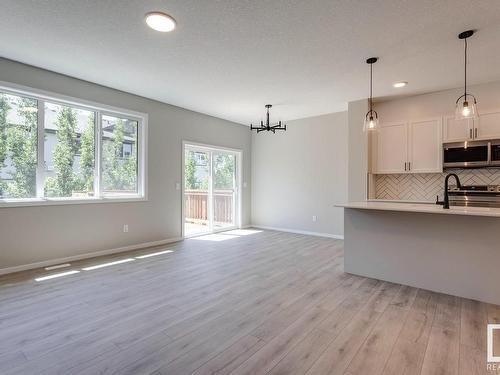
(242, 302)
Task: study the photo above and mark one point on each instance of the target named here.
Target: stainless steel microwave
(469, 154)
(495, 153)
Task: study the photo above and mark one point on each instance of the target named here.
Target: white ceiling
(228, 58)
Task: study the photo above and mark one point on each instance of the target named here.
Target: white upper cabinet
(417, 146)
(457, 130)
(391, 148)
(425, 146)
(487, 126)
(414, 147)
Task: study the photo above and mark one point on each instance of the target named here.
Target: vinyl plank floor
(265, 302)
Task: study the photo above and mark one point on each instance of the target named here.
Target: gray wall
(300, 173)
(35, 234)
(358, 152)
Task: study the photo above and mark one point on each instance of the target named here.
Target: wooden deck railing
(196, 205)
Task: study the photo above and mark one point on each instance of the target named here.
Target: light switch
(177, 186)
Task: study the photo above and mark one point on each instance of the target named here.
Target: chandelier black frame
(371, 114)
(268, 126)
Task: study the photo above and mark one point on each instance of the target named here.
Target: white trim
(183, 177)
(210, 147)
(29, 202)
(297, 231)
(40, 147)
(97, 152)
(46, 263)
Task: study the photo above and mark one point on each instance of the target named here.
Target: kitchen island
(455, 251)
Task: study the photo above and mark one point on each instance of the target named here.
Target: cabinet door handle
(470, 133)
(405, 166)
(475, 133)
(409, 165)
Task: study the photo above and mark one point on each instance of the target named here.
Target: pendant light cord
(465, 69)
(371, 85)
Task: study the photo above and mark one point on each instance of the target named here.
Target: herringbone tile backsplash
(425, 186)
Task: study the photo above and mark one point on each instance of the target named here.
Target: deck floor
(241, 302)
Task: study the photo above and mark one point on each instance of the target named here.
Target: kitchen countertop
(423, 208)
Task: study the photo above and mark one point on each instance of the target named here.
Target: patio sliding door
(210, 190)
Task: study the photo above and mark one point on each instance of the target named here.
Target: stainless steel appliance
(474, 195)
(495, 153)
(468, 154)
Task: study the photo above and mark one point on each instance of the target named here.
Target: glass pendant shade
(466, 108)
(371, 122)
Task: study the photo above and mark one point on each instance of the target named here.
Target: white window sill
(6, 203)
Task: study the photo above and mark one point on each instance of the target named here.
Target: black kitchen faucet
(446, 201)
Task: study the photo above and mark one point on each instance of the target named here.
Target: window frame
(99, 109)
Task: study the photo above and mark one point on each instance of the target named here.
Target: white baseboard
(318, 234)
(51, 262)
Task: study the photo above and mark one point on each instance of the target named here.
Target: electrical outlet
(315, 218)
(125, 228)
(177, 186)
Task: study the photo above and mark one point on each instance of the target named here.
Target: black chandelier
(267, 126)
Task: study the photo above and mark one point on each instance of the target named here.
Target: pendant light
(466, 105)
(371, 117)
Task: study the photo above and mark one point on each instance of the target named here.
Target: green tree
(191, 181)
(119, 171)
(64, 155)
(22, 149)
(4, 109)
(87, 156)
(224, 170)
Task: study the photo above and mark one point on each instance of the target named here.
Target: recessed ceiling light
(160, 22)
(400, 84)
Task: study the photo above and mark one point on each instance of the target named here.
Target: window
(55, 150)
(119, 155)
(69, 151)
(18, 146)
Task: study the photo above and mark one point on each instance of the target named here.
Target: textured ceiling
(228, 58)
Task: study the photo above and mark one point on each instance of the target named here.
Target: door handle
(475, 133)
(409, 165)
(405, 166)
(470, 133)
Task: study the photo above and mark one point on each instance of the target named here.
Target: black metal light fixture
(268, 126)
(371, 117)
(464, 107)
